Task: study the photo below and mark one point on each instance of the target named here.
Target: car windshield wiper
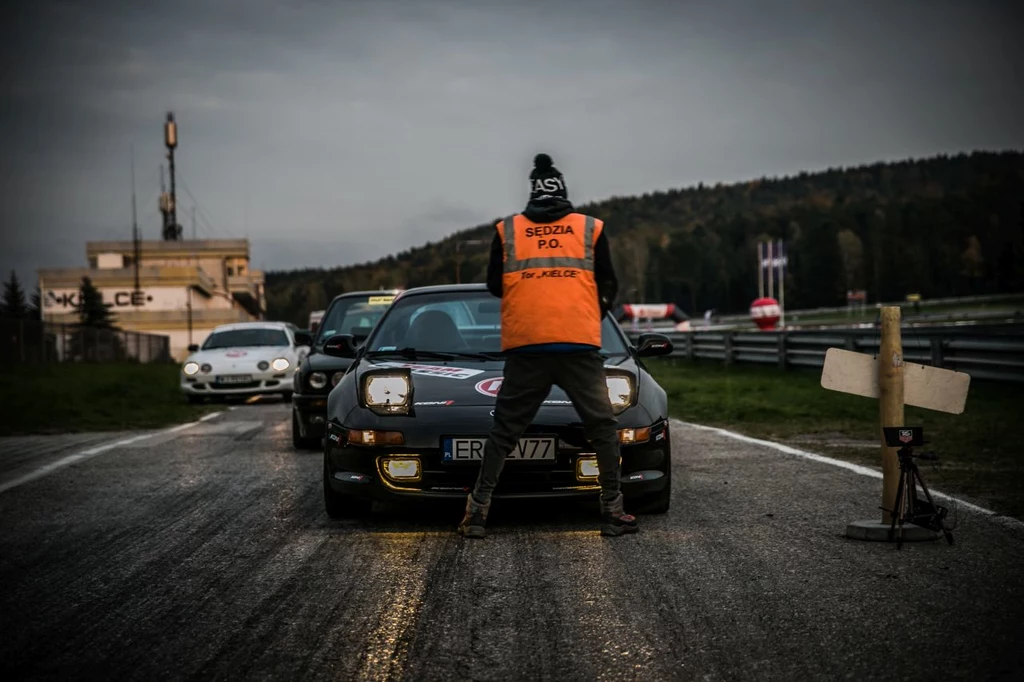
(485, 355)
(413, 353)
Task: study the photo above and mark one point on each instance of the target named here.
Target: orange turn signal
(369, 438)
(630, 436)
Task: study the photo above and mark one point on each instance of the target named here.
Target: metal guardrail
(32, 341)
(922, 305)
(992, 357)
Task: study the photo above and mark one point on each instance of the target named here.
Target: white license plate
(472, 449)
(234, 379)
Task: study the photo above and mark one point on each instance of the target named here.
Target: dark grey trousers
(527, 383)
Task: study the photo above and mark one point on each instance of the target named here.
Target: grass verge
(69, 397)
(979, 450)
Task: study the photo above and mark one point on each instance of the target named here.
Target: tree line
(949, 225)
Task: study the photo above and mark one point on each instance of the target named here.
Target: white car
(245, 359)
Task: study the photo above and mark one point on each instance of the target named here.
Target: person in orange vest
(552, 269)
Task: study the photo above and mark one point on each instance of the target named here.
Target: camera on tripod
(908, 507)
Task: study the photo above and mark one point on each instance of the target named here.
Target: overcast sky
(330, 132)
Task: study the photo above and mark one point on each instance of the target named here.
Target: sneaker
(474, 521)
(615, 521)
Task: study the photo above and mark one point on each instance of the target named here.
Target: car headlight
(620, 391)
(387, 392)
(263, 365)
(207, 368)
(318, 380)
(190, 368)
(336, 377)
(280, 364)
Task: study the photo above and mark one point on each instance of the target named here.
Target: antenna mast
(165, 204)
(169, 204)
(136, 246)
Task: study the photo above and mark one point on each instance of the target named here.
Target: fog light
(628, 436)
(402, 469)
(587, 469)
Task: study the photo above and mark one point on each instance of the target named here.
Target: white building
(186, 288)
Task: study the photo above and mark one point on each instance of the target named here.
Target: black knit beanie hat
(545, 180)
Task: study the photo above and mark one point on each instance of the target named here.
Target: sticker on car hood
(489, 386)
(435, 370)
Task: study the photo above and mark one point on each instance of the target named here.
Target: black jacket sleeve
(604, 273)
(495, 267)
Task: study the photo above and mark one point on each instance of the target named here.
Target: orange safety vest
(549, 294)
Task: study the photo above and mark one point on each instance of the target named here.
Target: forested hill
(944, 226)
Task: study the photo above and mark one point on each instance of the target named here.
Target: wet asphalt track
(206, 554)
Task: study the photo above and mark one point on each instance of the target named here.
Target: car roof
(456, 289)
(253, 325)
(367, 294)
(445, 289)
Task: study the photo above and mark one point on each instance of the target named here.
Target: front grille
(517, 476)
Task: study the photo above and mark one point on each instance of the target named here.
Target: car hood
(239, 358)
(466, 383)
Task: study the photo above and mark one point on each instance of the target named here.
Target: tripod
(908, 507)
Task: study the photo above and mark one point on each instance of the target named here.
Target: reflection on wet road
(206, 554)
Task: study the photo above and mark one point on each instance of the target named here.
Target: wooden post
(894, 383)
(890, 401)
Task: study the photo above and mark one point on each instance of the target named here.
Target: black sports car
(410, 416)
(355, 314)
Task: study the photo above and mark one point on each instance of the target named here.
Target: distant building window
(110, 261)
(92, 262)
(231, 271)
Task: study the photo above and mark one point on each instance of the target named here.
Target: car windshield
(234, 338)
(356, 316)
(464, 321)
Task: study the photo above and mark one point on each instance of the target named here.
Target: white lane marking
(92, 452)
(856, 468)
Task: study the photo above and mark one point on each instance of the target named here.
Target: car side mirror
(193, 347)
(340, 346)
(303, 338)
(653, 345)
